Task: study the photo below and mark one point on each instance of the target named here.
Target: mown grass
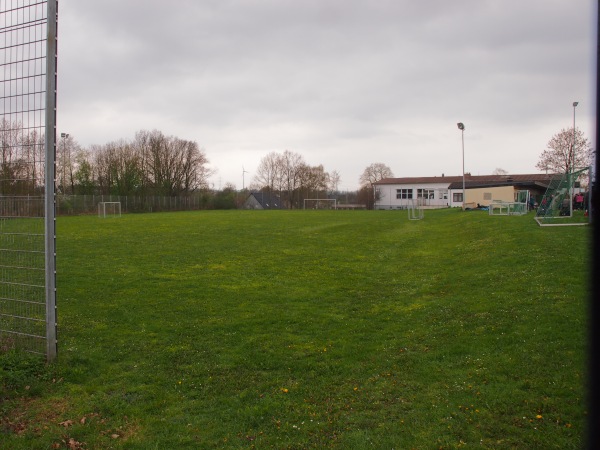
(579, 217)
(308, 329)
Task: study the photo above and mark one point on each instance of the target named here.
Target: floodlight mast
(461, 127)
(572, 162)
(64, 137)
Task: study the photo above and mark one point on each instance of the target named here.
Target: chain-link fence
(88, 204)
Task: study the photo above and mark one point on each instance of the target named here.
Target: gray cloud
(344, 83)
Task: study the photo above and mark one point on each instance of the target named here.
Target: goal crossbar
(109, 209)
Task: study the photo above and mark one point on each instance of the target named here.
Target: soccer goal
(564, 203)
(415, 209)
(516, 208)
(320, 203)
(109, 209)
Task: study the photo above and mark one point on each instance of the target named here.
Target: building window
(487, 195)
(457, 197)
(425, 193)
(404, 193)
(443, 194)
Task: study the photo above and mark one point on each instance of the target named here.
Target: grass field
(308, 329)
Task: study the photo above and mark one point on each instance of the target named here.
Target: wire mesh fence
(28, 81)
(88, 204)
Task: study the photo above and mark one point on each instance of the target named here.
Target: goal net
(415, 209)
(564, 203)
(109, 209)
(516, 208)
(320, 203)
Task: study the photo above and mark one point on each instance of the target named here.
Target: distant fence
(88, 204)
(69, 205)
(22, 206)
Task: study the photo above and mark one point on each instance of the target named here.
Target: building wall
(488, 195)
(400, 196)
(437, 195)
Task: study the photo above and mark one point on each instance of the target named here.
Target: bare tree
(268, 172)
(372, 174)
(126, 169)
(143, 142)
(171, 166)
(283, 173)
(334, 181)
(314, 180)
(291, 171)
(13, 164)
(150, 164)
(499, 171)
(117, 169)
(375, 172)
(561, 157)
(99, 170)
(195, 172)
(32, 148)
(84, 174)
(106, 162)
(160, 164)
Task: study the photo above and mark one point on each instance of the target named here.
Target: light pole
(573, 150)
(461, 127)
(572, 162)
(64, 137)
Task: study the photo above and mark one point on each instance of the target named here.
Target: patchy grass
(310, 329)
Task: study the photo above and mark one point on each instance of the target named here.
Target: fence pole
(50, 181)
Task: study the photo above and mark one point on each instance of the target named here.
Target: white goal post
(415, 209)
(320, 203)
(109, 209)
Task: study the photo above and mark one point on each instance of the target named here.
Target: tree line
(293, 180)
(22, 157)
(150, 164)
(153, 164)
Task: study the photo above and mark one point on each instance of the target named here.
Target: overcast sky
(344, 83)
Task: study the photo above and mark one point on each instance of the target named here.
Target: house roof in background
(267, 200)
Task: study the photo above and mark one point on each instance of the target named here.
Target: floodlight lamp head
(460, 126)
(575, 104)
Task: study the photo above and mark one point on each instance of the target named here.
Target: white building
(444, 192)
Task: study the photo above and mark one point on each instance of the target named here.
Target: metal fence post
(50, 182)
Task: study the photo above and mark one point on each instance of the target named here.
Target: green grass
(307, 329)
(578, 218)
